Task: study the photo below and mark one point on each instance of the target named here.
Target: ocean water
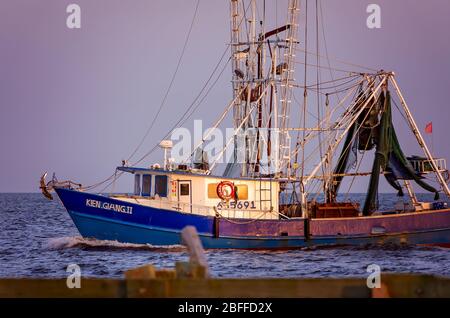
(38, 239)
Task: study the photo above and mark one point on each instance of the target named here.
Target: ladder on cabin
(264, 193)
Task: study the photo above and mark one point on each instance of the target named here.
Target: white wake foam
(78, 241)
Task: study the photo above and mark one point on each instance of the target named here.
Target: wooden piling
(198, 265)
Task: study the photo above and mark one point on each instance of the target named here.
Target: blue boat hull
(105, 218)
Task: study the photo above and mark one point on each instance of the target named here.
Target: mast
(287, 81)
(253, 147)
(249, 45)
(261, 62)
(243, 54)
(237, 74)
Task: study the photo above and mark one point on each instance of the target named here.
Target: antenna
(167, 145)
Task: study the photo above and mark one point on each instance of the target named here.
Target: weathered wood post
(198, 265)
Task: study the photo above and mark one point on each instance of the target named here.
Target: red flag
(429, 128)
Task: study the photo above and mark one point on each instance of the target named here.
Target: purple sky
(78, 101)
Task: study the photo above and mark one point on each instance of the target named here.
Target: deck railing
(425, 165)
(186, 207)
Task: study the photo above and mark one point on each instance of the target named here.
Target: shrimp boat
(281, 187)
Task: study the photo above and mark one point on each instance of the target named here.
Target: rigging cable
(354, 138)
(346, 88)
(326, 46)
(334, 87)
(335, 80)
(305, 99)
(91, 187)
(166, 95)
(190, 109)
(329, 68)
(339, 105)
(319, 100)
(162, 103)
(339, 61)
(187, 114)
(340, 123)
(183, 119)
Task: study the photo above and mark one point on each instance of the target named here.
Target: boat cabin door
(185, 195)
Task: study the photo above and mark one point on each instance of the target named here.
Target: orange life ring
(225, 190)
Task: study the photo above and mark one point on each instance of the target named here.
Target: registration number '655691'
(239, 205)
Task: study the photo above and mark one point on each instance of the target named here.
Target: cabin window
(184, 189)
(241, 191)
(137, 184)
(161, 186)
(146, 185)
